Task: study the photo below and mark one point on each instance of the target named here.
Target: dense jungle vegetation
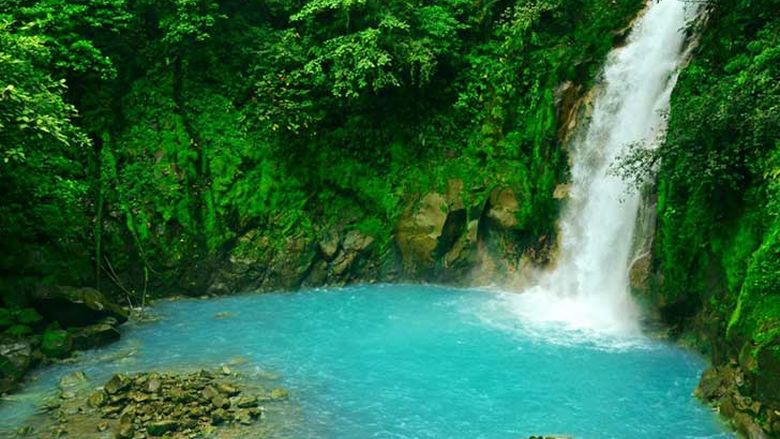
(141, 136)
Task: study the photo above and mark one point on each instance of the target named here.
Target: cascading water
(588, 289)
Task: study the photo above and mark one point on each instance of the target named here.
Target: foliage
(202, 121)
(718, 185)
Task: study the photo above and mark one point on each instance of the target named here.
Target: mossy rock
(10, 317)
(6, 318)
(28, 316)
(18, 331)
(75, 307)
(56, 343)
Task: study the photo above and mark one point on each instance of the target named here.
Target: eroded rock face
(73, 307)
(419, 230)
(435, 231)
(503, 207)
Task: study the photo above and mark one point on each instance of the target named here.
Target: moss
(18, 330)
(56, 343)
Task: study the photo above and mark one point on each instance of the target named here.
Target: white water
(588, 289)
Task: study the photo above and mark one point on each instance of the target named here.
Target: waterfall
(588, 288)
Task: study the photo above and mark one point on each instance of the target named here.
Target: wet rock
(94, 336)
(220, 401)
(124, 431)
(73, 379)
(503, 207)
(15, 359)
(279, 394)
(117, 383)
(227, 389)
(710, 384)
(97, 399)
(56, 343)
(219, 416)
(159, 428)
(76, 307)
(152, 384)
(247, 402)
(209, 392)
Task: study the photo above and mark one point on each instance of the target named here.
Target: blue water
(414, 362)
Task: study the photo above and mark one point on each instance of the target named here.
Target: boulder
(117, 383)
(94, 336)
(710, 385)
(15, 359)
(639, 273)
(76, 306)
(56, 343)
(419, 229)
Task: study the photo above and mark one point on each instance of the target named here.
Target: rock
(419, 229)
(73, 379)
(159, 428)
(503, 208)
(117, 383)
(639, 273)
(220, 402)
(153, 384)
(709, 387)
(138, 397)
(227, 389)
(94, 336)
(561, 191)
(15, 359)
(243, 417)
(222, 315)
(209, 392)
(97, 399)
(185, 406)
(247, 402)
(278, 394)
(219, 416)
(357, 241)
(56, 343)
(329, 245)
(76, 306)
(745, 425)
(124, 431)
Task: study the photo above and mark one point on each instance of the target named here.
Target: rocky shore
(58, 322)
(726, 388)
(203, 403)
